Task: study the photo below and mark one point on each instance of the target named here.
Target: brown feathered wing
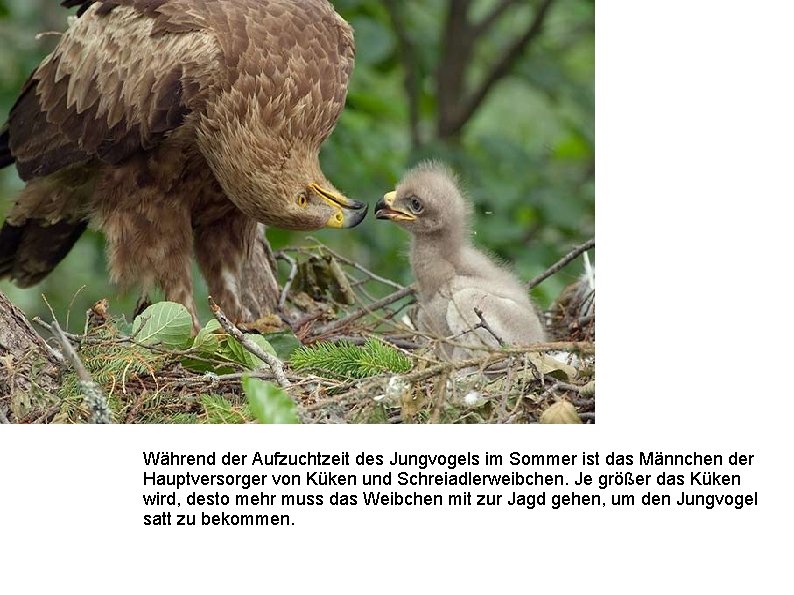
(116, 84)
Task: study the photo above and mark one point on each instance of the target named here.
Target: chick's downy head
(428, 200)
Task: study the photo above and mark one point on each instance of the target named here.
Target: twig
(94, 397)
(70, 336)
(357, 266)
(583, 403)
(71, 303)
(3, 418)
(501, 68)
(561, 263)
(288, 285)
(493, 357)
(489, 20)
(484, 325)
(47, 414)
(271, 360)
(560, 385)
(52, 351)
(319, 246)
(396, 341)
(364, 310)
(212, 379)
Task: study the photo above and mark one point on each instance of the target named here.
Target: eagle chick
(464, 295)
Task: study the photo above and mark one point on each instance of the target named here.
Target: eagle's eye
(415, 204)
(303, 199)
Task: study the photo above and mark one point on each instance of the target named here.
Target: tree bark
(457, 104)
(455, 58)
(29, 371)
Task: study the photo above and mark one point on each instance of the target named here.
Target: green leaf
(269, 404)
(284, 343)
(166, 323)
(209, 339)
(240, 354)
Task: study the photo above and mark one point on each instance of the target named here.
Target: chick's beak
(385, 209)
(347, 212)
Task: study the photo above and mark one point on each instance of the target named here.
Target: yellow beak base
(347, 213)
(385, 209)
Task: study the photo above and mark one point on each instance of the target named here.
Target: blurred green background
(500, 89)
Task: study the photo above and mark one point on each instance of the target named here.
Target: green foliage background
(526, 155)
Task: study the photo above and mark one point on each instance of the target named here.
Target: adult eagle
(178, 127)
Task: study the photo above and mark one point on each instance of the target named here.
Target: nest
(344, 349)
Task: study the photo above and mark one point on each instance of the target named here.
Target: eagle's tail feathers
(30, 251)
(6, 158)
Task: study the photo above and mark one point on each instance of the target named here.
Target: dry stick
(395, 341)
(47, 414)
(364, 310)
(562, 386)
(358, 267)
(494, 357)
(93, 395)
(484, 325)
(561, 263)
(271, 360)
(213, 379)
(346, 261)
(192, 353)
(70, 336)
(52, 351)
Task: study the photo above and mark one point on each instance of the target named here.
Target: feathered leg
(233, 256)
(151, 246)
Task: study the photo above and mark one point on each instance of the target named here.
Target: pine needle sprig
(347, 361)
(378, 357)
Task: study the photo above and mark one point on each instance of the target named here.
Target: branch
(483, 324)
(364, 310)
(92, 394)
(323, 250)
(457, 47)
(397, 342)
(490, 19)
(495, 356)
(501, 69)
(409, 63)
(271, 360)
(561, 263)
(360, 268)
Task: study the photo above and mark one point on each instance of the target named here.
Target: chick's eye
(302, 200)
(416, 205)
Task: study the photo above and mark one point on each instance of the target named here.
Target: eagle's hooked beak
(347, 212)
(385, 209)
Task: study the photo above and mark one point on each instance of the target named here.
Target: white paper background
(694, 187)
